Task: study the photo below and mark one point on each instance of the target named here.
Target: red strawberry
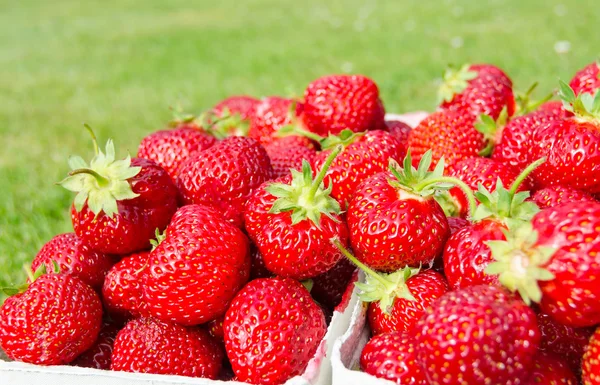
(291, 141)
(399, 129)
(148, 345)
(555, 107)
(99, 356)
(571, 146)
(230, 117)
(591, 361)
(555, 259)
(53, 321)
(257, 266)
(171, 148)
(557, 195)
(272, 114)
(383, 214)
(586, 80)
(225, 176)
(272, 330)
(513, 148)
(448, 134)
(329, 287)
(284, 158)
(490, 335)
(215, 328)
(393, 356)
(364, 155)
(550, 370)
(337, 102)
(193, 274)
(563, 341)
(291, 222)
(477, 89)
(73, 258)
(456, 224)
(122, 291)
(243, 105)
(120, 203)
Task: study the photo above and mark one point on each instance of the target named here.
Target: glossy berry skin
(391, 228)
(243, 105)
(591, 361)
(135, 225)
(477, 170)
(368, 155)
(556, 107)
(148, 345)
(99, 356)
(284, 158)
(225, 176)
(122, 290)
(73, 258)
(490, 334)
(273, 329)
(448, 134)
(291, 141)
(488, 93)
(336, 102)
(171, 148)
(398, 129)
(426, 287)
(393, 356)
(572, 151)
(586, 80)
(297, 251)
(329, 287)
(550, 370)
(513, 148)
(557, 195)
(466, 255)
(196, 270)
(56, 319)
(573, 296)
(271, 114)
(563, 341)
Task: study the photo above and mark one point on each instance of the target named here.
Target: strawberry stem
(336, 242)
(94, 140)
(524, 174)
(321, 175)
(102, 181)
(458, 183)
(295, 130)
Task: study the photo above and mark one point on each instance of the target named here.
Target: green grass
(119, 64)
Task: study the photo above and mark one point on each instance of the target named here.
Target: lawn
(120, 64)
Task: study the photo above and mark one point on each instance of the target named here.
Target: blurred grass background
(119, 65)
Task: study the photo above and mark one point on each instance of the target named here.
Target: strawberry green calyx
(520, 262)
(224, 125)
(101, 183)
(306, 197)
(345, 138)
(294, 129)
(508, 206)
(381, 287)
(455, 82)
(448, 204)
(427, 183)
(32, 276)
(159, 238)
(491, 130)
(181, 117)
(586, 107)
(525, 103)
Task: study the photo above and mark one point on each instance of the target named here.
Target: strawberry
(337, 102)
(55, 319)
(272, 330)
(119, 203)
(148, 345)
(225, 175)
(571, 146)
(286, 158)
(74, 258)
(557, 195)
(456, 224)
(215, 328)
(393, 356)
(550, 370)
(99, 356)
(554, 260)
(171, 148)
(513, 148)
(555, 107)
(563, 341)
(272, 114)
(398, 129)
(122, 291)
(230, 117)
(490, 335)
(243, 105)
(364, 155)
(291, 221)
(591, 361)
(193, 274)
(257, 265)
(448, 134)
(329, 287)
(477, 89)
(383, 213)
(586, 80)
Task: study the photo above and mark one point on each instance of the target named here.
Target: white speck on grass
(457, 11)
(562, 46)
(560, 10)
(457, 42)
(410, 25)
(347, 67)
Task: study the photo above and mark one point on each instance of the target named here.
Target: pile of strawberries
(222, 250)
